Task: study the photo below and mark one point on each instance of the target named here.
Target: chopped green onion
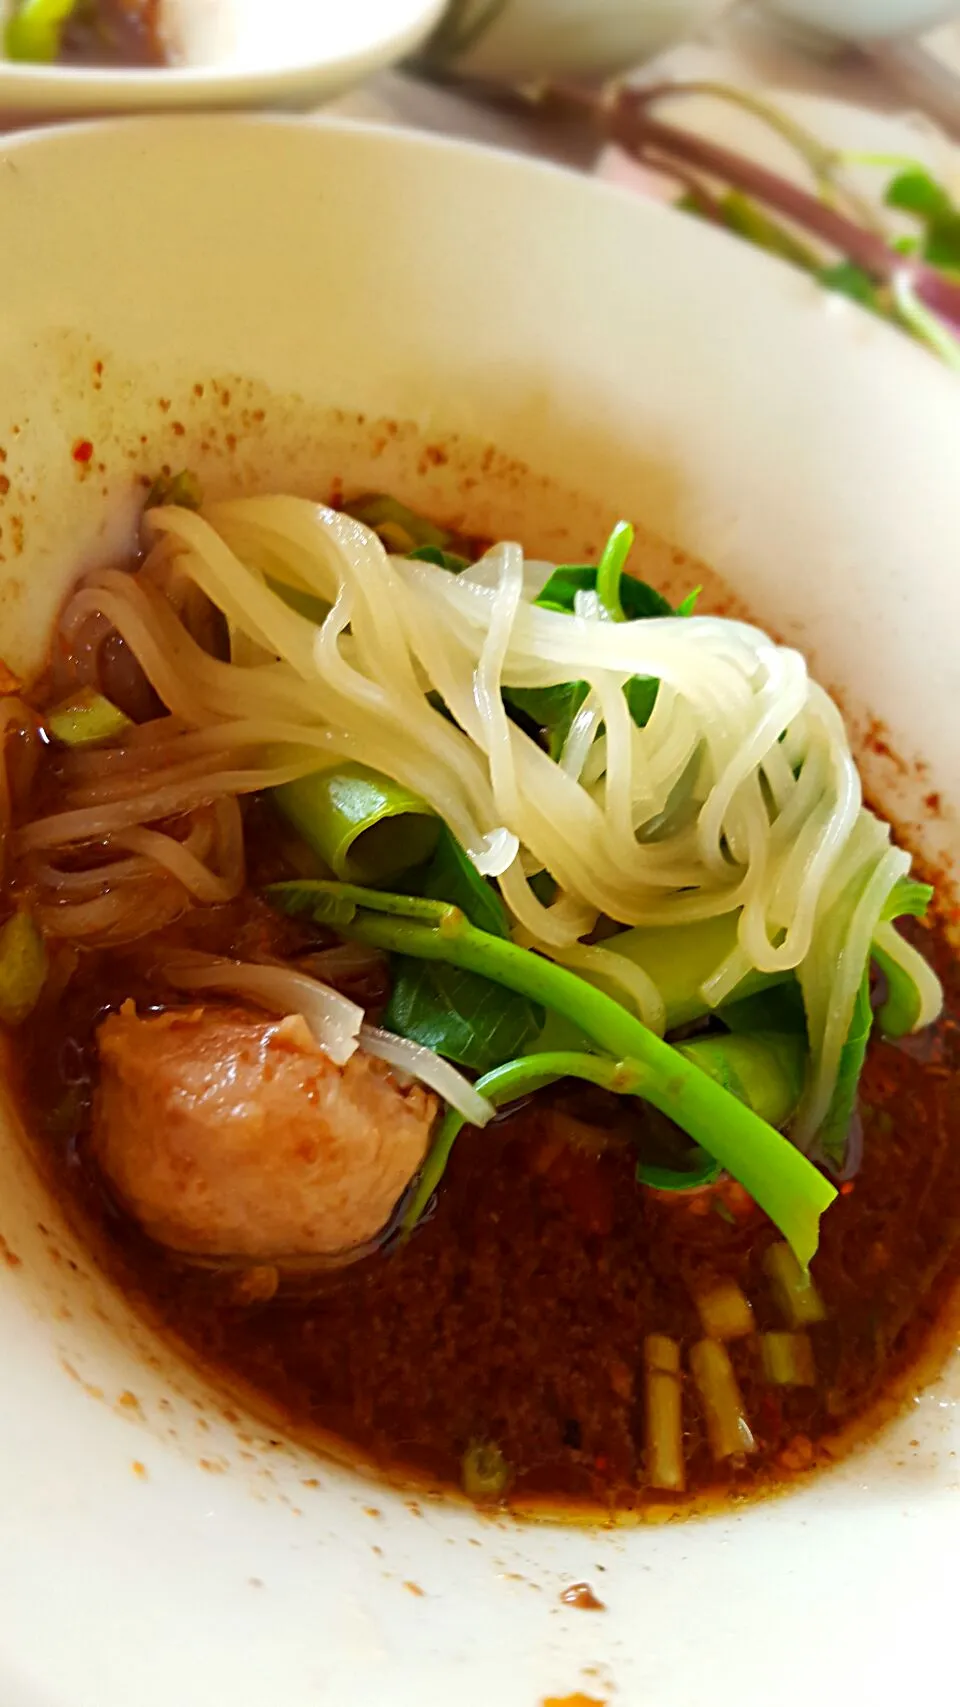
(763, 1070)
(680, 959)
(797, 1297)
(788, 1360)
(364, 827)
(33, 32)
(727, 1428)
(23, 968)
(484, 1472)
(775, 1174)
(725, 1311)
(86, 719)
(664, 1463)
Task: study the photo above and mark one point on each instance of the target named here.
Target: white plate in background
(233, 53)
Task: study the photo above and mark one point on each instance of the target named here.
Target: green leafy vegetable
(900, 1012)
(452, 876)
(921, 294)
(782, 1181)
(400, 528)
(86, 719)
(638, 598)
(458, 1013)
(848, 279)
(23, 968)
(913, 994)
(363, 826)
(777, 1007)
(917, 193)
(762, 1069)
(907, 898)
(625, 599)
(442, 559)
(183, 489)
(680, 958)
(34, 30)
(305, 604)
(835, 1127)
(687, 606)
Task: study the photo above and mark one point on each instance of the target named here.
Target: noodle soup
(488, 1024)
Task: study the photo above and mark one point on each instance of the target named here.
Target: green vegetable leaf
(628, 599)
(791, 1191)
(452, 876)
(399, 527)
(777, 1008)
(687, 606)
(907, 898)
(900, 1012)
(459, 1014)
(832, 1136)
(442, 559)
(942, 245)
(762, 1069)
(848, 279)
(552, 708)
(305, 604)
(915, 191)
(641, 697)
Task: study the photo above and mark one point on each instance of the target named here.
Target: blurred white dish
(233, 53)
(865, 20)
(261, 300)
(519, 39)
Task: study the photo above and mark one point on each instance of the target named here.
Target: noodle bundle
(738, 795)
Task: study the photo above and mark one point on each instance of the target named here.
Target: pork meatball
(228, 1134)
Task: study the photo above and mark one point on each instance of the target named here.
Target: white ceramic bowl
(233, 53)
(521, 39)
(865, 20)
(277, 303)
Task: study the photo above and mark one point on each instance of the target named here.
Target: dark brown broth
(517, 1313)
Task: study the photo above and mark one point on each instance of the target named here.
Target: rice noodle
(739, 795)
(431, 1069)
(334, 1021)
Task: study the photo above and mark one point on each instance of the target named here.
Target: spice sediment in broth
(518, 1312)
(581, 1307)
